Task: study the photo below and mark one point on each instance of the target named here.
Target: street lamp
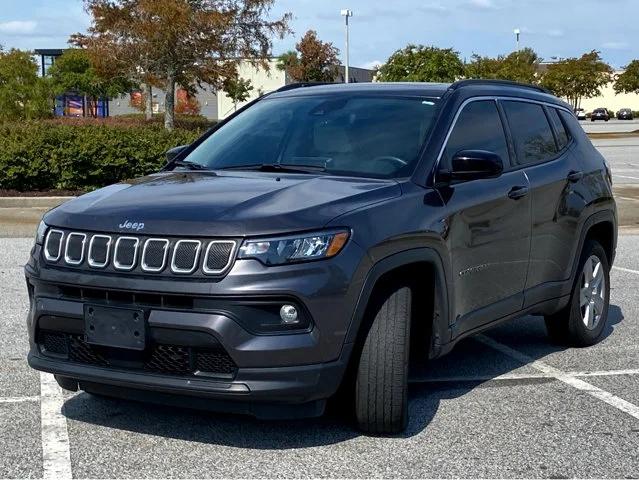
(346, 13)
(517, 33)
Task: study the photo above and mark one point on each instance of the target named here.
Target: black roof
(478, 87)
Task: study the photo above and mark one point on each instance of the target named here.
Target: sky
(553, 28)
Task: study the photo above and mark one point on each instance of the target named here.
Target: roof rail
(293, 86)
(506, 83)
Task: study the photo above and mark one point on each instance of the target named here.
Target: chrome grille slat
(211, 266)
(186, 254)
(150, 260)
(71, 254)
(125, 253)
(53, 237)
(99, 248)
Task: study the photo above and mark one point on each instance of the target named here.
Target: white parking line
(519, 376)
(56, 458)
(596, 392)
(625, 176)
(621, 269)
(18, 399)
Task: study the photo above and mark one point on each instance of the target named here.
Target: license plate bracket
(115, 327)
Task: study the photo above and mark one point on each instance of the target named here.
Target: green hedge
(48, 155)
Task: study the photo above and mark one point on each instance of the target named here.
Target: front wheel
(381, 389)
(582, 321)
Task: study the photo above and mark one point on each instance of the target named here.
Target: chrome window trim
(46, 245)
(494, 98)
(90, 261)
(67, 260)
(175, 269)
(208, 271)
(143, 264)
(117, 265)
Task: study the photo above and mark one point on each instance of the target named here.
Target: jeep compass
(320, 238)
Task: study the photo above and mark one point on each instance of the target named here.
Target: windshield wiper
(187, 164)
(279, 167)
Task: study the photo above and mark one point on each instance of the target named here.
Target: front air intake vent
(53, 245)
(126, 253)
(99, 247)
(74, 251)
(154, 255)
(218, 256)
(185, 256)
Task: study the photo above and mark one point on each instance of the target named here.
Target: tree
(23, 95)
(577, 78)
(520, 66)
(417, 63)
(628, 81)
(238, 90)
(312, 61)
(73, 72)
(183, 42)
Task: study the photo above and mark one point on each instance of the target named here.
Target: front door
(489, 224)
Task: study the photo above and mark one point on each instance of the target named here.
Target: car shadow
(472, 364)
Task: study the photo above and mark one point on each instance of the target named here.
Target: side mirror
(174, 152)
(475, 164)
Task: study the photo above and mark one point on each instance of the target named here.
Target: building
(611, 100)
(211, 104)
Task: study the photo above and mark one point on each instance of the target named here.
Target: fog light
(288, 314)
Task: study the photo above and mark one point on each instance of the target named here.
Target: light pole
(346, 13)
(517, 34)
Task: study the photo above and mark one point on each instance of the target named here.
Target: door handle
(518, 192)
(575, 176)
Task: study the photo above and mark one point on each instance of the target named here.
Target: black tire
(567, 326)
(381, 386)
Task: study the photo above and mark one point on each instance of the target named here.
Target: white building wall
(610, 100)
(263, 81)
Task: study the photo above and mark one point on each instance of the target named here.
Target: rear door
(543, 151)
(488, 224)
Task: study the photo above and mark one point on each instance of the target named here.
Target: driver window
(478, 127)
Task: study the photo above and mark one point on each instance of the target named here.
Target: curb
(32, 202)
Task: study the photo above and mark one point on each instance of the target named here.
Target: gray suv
(318, 241)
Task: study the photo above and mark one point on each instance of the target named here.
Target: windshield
(369, 136)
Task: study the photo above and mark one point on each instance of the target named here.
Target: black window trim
(499, 99)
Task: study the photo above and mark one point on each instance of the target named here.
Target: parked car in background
(580, 113)
(624, 114)
(600, 114)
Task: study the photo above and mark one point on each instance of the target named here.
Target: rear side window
(478, 127)
(562, 134)
(533, 138)
(571, 123)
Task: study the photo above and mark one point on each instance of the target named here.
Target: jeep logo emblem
(129, 225)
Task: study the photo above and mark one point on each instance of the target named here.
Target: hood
(222, 204)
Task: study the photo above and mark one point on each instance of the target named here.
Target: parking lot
(505, 404)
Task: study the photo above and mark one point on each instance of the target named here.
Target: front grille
(99, 247)
(218, 255)
(53, 245)
(142, 255)
(185, 256)
(157, 358)
(74, 251)
(126, 253)
(154, 255)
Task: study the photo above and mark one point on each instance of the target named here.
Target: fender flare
(602, 216)
(441, 317)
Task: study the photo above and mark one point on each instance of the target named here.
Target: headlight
(40, 232)
(293, 249)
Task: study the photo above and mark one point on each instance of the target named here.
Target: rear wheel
(381, 388)
(582, 321)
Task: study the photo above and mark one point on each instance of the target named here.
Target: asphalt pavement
(504, 404)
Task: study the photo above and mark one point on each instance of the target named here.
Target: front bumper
(295, 370)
